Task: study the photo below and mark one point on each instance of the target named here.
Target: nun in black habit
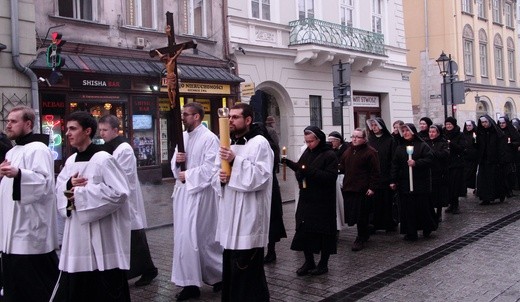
(415, 205)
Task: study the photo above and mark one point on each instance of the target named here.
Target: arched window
(508, 108)
(468, 39)
(499, 57)
(483, 53)
(482, 108)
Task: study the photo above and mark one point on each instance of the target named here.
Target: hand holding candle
(409, 151)
(304, 182)
(223, 123)
(284, 167)
(474, 137)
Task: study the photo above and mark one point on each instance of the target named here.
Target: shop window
(144, 130)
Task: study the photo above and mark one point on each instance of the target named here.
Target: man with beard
(197, 257)
(360, 164)
(141, 263)
(415, 208)
(92, 195)
(380, 139)
(28, 235)
(491, 146)
(244, 208)
(457, 146)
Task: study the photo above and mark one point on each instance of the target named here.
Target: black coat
(385, 146)
(423, 157)
(5, 145)
(457, 145)
(440, 171)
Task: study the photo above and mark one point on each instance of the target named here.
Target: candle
(223, 125)
(304, 182)
(508, 140)
(474, 137)
(409, 151)
(284, 167)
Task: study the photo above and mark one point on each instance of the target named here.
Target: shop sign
(99, 83)
(365, 101)
(164, 104)
(207, 88)
(248, 89)
(143, 105)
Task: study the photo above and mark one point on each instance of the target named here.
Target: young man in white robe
(92, 193)
(141, 263)
(28, 237)
(197, 257)
(244, 209)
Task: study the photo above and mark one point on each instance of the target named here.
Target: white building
(287, 49)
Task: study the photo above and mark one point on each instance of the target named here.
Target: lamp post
(444, 62)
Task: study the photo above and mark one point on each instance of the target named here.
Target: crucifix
(168, 55)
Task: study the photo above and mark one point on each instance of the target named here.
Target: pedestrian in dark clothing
(470, 156)
(338, 143)
(415, 205)
(276, 226)
(491, 146)
(424, 128)
(5, 145)
(516, 123)
(439, 170)
(316, 173)
(457, 145)
(360, 164)
(396, 134)
(513, 143)
(380, 139)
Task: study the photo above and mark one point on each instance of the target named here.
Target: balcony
(344, 40)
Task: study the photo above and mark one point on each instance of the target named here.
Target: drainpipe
(15, 54)
(427, 53)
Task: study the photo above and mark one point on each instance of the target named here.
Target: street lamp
(444, 62)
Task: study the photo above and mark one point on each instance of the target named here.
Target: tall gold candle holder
(223, 125)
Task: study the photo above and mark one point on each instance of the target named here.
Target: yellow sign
(164, 104)
(248, 89)
(207, 88)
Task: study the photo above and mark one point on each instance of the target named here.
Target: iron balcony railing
(313, 31)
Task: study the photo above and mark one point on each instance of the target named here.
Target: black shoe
(427, 234)
(217, 287)
(502, 198)
(270, 257)
(188, 292)
(305, 269)
(146, 278)
(410, 238)
(319, 270)
(357, 245)
(485, 202)
(449, 210)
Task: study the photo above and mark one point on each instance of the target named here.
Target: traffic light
(54, 58)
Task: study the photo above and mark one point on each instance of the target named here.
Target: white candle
(284, 155)
(409, 151)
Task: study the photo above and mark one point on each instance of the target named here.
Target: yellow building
(480, 36)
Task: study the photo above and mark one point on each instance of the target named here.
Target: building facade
(481, 37)
(108, 69)
(286, 52)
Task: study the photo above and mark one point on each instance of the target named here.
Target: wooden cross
(169, 55)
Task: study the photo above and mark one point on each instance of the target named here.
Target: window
(508, 108)
(261, 9)
(141, 13)
(483, 53)
(511, 59)
(377, 16)
(468, 50)
(315, 107)
(466, 6)
(78, 9)
(508, 14)
(497, 11)
(196, 17)
(347, 12)
(306, 9)
(499, 58)
(481, 8)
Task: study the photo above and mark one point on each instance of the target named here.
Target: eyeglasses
(354, 136)
(235, 117)
(187, 114)
(310, 141)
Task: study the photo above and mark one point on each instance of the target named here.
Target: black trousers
(140, 258)
(29, 277)
(243, 276)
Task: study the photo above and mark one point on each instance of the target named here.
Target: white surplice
(97, 233)
(245, 203)
(197, 257)
(125, 157)
(28, 225)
